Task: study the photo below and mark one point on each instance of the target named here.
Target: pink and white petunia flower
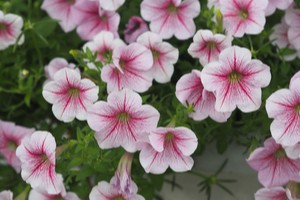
(10, 30)
(103, 43)
(55, 65)
(95, 20)
(243, 16)
(207, 46)
(41, 194)
(189, 90)
(111, 5)
(283, 107)
(169, 147)
(293, 152)
(273, 166)
(130, 69)
(279, 36)
(134, 28)
(171, 17)
(280, 4)
(11, 137)
(6, 195)
(65, 12)
(70, 95)
(122, 120)
(37, 155)
(274, 193)
(164, 56)
(236, 80)
(292, 17)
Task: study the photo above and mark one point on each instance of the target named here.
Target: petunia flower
(134, 28)
(103, 44)
(171, 17)
(130, 69)
(11, 137)
(164, 56)
(292, 18)
(65, 12)
(111, 5)
(70, 95)
(169, 147)
(293, 151)
(121, 185)
(189, 90)
(41, 194)
(122, 120)
(279, 36)
(55, 65)
(6, 195)
(273, 166)
(280, 4)
(236, 80)
(207, 46)
(10, 30)
(243, 16)
(95, 20)
(37, 155)
(274, 193)
(283, 107)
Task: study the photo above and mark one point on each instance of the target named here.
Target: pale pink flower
(274, 193)
(65, 12)
(6, 195)
(243, 16)
(130, 69)
(164, 56)
(283, 106)
(189, 90)
(273, 166)
(292, 18)
(109, 191)
(95, 20)
(11, 137)
(279, 36)
(293, 152)
(280, 4)
(104, 43)
(207, 46)
(55, 65)
(70, 95)
(10, 30)
(236, 80)
(171, 17)
(37, 155)
(134, 28)
(169, 147)
(40, 194)
(121, 120)
(111, 5)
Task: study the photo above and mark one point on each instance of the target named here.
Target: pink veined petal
(111, 5)
(151, 160)
(37, 155)
(157, 140)
(293, 152)
(186, 140)
(279, 35)
(274, 193)
(124, 100)
(148, 39)
(189, 8)
(103, 191)
(293, 36)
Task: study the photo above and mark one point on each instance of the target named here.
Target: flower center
(2, 26)
(210, 44)
(172, 9)
(45, 159)
(12, 145)
(169, 137)
(71, 1)
(107, 54)
(123, 116)
(73, 91)
(235, 76)
(155, 54)
(122, 63)
(280, 153)
(118, 198)
(59, 197)
(243, 14)
(297, 108)
(103, 18)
